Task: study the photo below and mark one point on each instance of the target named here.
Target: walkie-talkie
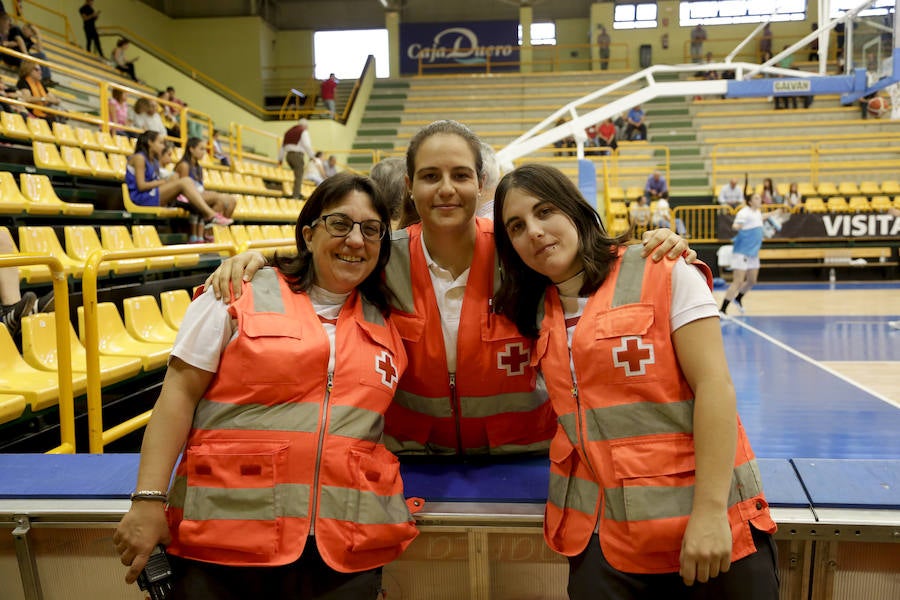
(156, 578)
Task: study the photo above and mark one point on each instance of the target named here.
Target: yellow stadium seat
(115, 341)
(212, 180)
(880, 203)
(618, 226)
(146, 236)
(617, 209)
(116, 237)
(272, 232)
(30, 273)
(615, 194)
(124, 143)
(159, 211)
(38, 190)
(87, 138)
(46, 156)
(82, 241)
(239, 234)
(288, 231)
(251, 208)
(897, 202)
(222, 235)
(837, 204)
(848, 188)
(99, 165)
(254, 232)
(13, 126)
(858, 204)
(782, 189)
(40, 129)
(11, 199)
(814, 204)
(74, 160)
(18, 377)
(11, 407)
(633, 193)
(806, 189)
(107, 143)
(869, 188)
(43, 240)
(890, 187)
(39, 350)
(64, 134)
(144, 322)
(826, 188)
(118, 163)
(228, 182)
(174, 304)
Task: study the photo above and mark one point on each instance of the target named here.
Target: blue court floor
(792, 405)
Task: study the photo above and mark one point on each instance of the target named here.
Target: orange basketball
(877, 106)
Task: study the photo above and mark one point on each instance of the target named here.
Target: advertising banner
(820, 225)
(459, 47)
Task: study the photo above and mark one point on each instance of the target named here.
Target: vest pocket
(273, 335)
(231, 501)
(378, 514)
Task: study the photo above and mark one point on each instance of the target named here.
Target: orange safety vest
(624, 452)
(490, 405)
(279, 445)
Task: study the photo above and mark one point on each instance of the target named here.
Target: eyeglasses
(340, 225)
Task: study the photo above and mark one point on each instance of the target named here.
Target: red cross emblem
(384, 364)
(513, 359)
(633, 355)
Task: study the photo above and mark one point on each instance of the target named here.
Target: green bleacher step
(671, 112)
(385, 107)
(664, 124)
(392, 84)
(687, 166)
(662, 138)
(379, 132)
(679, 182)
(373, 146)
(380, 120)
(673, 152)
(375, 96)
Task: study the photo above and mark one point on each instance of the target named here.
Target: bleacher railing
(64, 350)
(67, 32)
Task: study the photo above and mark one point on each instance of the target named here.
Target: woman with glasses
(470, 387)
(284, 489)
(31, 89)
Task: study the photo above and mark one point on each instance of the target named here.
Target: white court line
(813, 361)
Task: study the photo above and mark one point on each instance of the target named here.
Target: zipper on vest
(582, 430)
(456, 409)
(315, 487)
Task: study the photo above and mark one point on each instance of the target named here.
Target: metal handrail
(68, 34)
(64, 350)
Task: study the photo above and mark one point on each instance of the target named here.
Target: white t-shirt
(207, 328)
(449, 293)
(748, 218)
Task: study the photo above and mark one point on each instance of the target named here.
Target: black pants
(631, 129)
(753, 577)
(92, 36)
(309, 578)
(128, 69)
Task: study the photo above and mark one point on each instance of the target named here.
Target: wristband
(154, 495)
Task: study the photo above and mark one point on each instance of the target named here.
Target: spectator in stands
(167, 162)
(591, 142)
(490, 177)
(217, 151)
(662, 217)
(639, 214)
(711, 73)
(698, 36)
(33, 43)
(10, 91)
(765, 41)
(32, 90)
(389, 174)
(171, 97)
(793, 198)
(566, 142)
(327, 93)
(146, 188)
(11, 38)
(167, 114)
(89, 20)
(123, 63)
(603, 43)
(636, 128)
(656, 187)
(606, 135)
(189, 166)
(146, 117)
(13, 304)
(236, 372)
(648, 454)
(769, 193)
(315, 169)
(814, 45)
(295, 145)
(119, 111)
(745, 258)
(731, 195)
(331, 166)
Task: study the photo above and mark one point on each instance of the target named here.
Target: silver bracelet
(155, 495)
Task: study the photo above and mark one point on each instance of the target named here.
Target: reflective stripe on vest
(397, 272)
(267, 292)
(245, 504)
(631, 277)
(347, 504)
(470, 407)
(631, 420)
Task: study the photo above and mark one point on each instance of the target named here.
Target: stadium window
(344, 53)
(729, 12)
(542, 34)
(635, 16)
(879, 7)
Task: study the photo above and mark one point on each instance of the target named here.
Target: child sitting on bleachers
(189, 166)
(147, 188)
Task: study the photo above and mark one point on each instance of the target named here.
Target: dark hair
(122, 41)
(141, 104)
(195, 170)
(142, 145)
(389, 174)
(299, 269)
(445, 127)
(522, 288)
(118, 94)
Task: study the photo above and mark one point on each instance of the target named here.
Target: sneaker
(739, 305)
(12, 314)
(218, 219)
(196, 239)
(45, 303)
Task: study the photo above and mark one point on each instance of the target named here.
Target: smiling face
(157, 145)
(445, 184)
(543, 236)
(342, 263)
